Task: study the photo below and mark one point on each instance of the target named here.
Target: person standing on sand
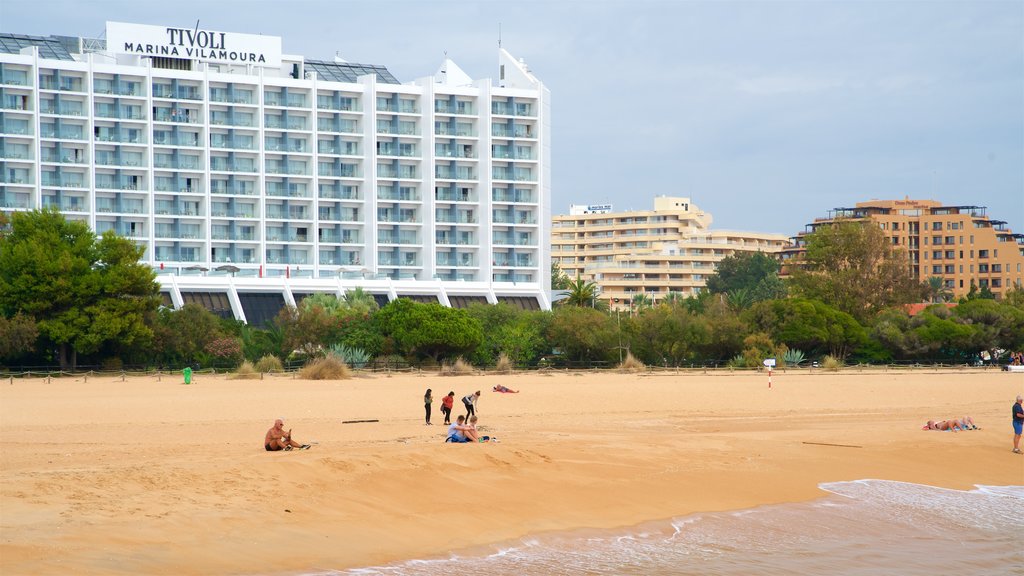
(427, 399)
(277, 439)
(446, 406)
(1018, 423)
(470, 403)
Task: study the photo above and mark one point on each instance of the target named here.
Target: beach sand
(150, 476)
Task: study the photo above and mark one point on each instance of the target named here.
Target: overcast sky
(765, 114)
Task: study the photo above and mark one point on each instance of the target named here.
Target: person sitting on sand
(278, 439)
(457, 432)
(505, 389)
(473, 435)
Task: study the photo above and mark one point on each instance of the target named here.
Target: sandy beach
(150, 476)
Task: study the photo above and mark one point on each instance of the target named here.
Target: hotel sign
(193, 44)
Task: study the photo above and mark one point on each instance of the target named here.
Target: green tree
(755, 272)
(84, 292)
(808, 325)
(559, 279)
(18, 336)
(521, 339)
(853, 267)
(429, 330)
(182, 335)
(725, 332)
(665, 334)
(997, 325)
(582, 333)
(583, 293)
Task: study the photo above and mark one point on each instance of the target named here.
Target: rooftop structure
(650, 252)
(243, 170)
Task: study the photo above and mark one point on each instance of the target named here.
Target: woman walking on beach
(427, 399)
(446, 406)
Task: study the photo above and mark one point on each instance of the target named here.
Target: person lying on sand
(277, 439)
(966, 423)
(505, 389)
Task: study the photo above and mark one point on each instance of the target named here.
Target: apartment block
(243, 170)
(670, 249)
(961, 245)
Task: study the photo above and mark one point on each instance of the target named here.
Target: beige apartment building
(653, 252)
(959, 244)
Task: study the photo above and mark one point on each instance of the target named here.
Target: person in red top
(446, 407)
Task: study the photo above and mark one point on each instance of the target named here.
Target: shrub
(246, 372)
(112, 364)
(327, 368)
(831, 363)
(225, 351)
(354, 357)
(268, 363)
(504, 364)
(738, 361)
(631, 364)
(794, 357)
(391, 361)
(458, 367)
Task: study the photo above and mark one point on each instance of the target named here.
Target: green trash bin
(188, 375)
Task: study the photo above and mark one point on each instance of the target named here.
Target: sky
(765, 114)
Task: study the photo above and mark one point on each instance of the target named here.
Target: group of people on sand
(464, 431)
(965, 423)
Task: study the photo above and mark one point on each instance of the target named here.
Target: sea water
(860, 527)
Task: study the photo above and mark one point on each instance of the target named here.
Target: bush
(354, 357)
(631, 364)
(504, 364)
(831, 363)
(794, 357)
(246, 372)
(327, 368)
(738, 361)
(112, 364)
(391, 361)
(268, 363)
(459, 367)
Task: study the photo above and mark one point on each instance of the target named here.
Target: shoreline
(190, 490)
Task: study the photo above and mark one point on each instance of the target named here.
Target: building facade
(960, 245)
(244, 170)
(670, 249)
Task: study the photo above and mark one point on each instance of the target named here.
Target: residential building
(652, 252)
(248, 173)
(959, 244)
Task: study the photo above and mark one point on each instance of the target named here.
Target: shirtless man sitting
(278, 439)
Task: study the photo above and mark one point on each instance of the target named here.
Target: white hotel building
(253, 178)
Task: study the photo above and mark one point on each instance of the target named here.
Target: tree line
(69, 297)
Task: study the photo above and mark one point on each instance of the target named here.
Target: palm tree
(581, 293)
(359, 300)
(641, 301)
(739, 299)
(674, 299)
(937, 290)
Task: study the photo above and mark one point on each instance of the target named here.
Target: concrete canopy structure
(242, 169)
(670, 249)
